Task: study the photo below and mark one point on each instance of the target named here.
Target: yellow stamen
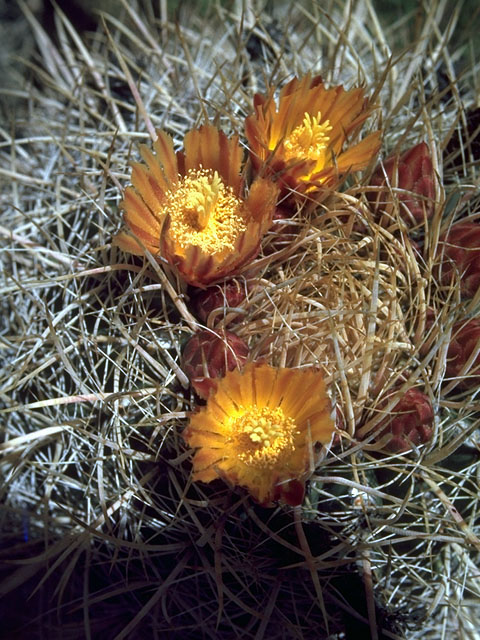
(204, 212)
(263, 436)
(308, 140)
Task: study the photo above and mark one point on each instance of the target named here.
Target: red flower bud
(228, 294)
(459, 249)
(411, 422)
(208, 356)
(465, 340)
(284, 228)
(291, 492)
(412, 172)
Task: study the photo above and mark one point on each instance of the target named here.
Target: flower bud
(283, 232)
(208, 356)
(411, 422)
(291, 492)
(464, 342)
(412, 172)
(459, 249)
(228, 294)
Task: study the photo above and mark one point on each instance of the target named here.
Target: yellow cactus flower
(303, 143)
(191, 207)
(259, 430)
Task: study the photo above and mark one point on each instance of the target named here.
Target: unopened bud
(228, 294)
(411, 173)
(459, 250)
(411, 422)
(208, 356)
(464, 344)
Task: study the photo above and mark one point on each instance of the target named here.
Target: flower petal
(155, 169)
(166, 157)
(208, 147)
(358, 156)
(190, 206)
(261, 202)
(205, 458)
(129, 244)
(145, 184)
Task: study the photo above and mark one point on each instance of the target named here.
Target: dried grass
(100, 520)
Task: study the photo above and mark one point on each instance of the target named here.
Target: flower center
(204, 212)
(309, 140)
(263, 436)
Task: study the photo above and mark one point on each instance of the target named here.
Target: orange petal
(345, 109)
(306, 390)
(224, 402)
(257, 136)
(206, 475)
(202, 269)
(166, 157)
(205, 458)
(228, 394)
(198, 438)
(261, 202)
(296, 388)
(321, 426)
(154, 168)
(138, 214)
(265, 382)
(145, 184)
(204, 422)
(127, 243)
(210, 148)
(359, 156)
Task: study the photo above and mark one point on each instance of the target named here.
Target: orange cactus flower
(302, 142)
(191, 208)
(259, 428)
